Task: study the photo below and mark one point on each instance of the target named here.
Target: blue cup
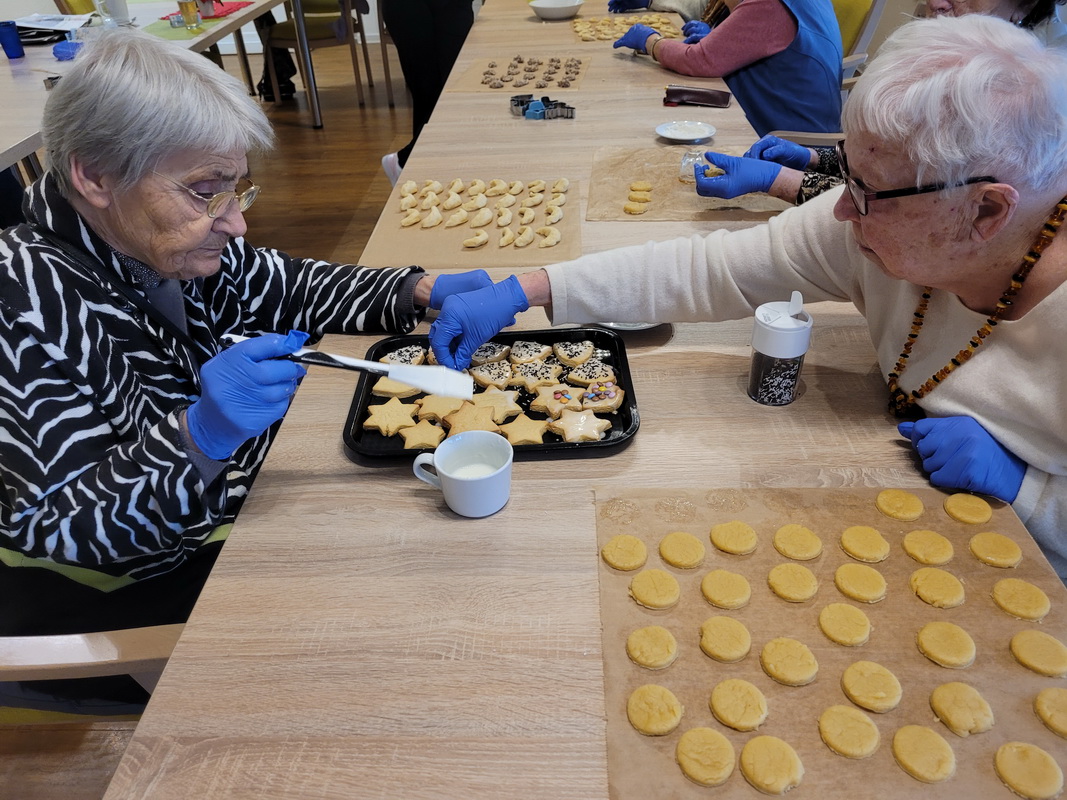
(9, 40)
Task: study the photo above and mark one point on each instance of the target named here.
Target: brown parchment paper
(613, 26)
(442, 247)
(615, 168)
(471, 79)
(643, 767)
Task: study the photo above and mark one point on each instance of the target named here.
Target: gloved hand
(635, 37)
(467, 321)
(618, 6)
(743, 175)
(244, 390)
(447, 285)
(781, 151)
(695, 30)
(958, 453)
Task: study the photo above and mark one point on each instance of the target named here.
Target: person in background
(780, 58)
(1045, 19)
(129, 437)
(707, 12)
(947, 237)
(428, 35)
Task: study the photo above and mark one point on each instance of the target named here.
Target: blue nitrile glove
(244, 390)
(958, 453)
(636, 37)
(618, 6)
(467, 321)
(781, 151)
(743, 175)
(446, 285)
(695, 30)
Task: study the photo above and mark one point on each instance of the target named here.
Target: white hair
(131, 99)
(964, 97)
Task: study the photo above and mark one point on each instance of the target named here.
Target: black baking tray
(370, 448)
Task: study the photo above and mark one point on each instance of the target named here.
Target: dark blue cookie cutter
(525, 105)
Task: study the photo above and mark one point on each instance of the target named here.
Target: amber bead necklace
(902, 403)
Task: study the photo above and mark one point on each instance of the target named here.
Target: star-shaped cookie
(504, 404)
(523, 430)
(533, 374)
(470, 418)
(579, 426)
(553, 399)
(423, 436)
(390, 417)
(436, 407)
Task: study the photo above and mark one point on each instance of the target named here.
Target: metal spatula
(429, 378)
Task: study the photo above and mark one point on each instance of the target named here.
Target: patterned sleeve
(822, 177)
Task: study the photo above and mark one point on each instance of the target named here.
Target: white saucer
(686, 130)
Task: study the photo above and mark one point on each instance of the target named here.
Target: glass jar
(692, 157)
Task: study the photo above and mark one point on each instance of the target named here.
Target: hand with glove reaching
(958, 453)
(619, 6)
(444, 286)
(781, 151)
(636, 37)
(742, 175)
(467, 321)
(695, 30)
(244, 390)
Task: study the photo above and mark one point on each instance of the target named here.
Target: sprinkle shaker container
(779, 341)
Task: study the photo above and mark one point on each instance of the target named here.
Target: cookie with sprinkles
(524, 352)
(495, 373)
(533, 374)
(489, 353)
(412, 354)
(573, 353)
(551, 400)
(590, 372)
(602, 397)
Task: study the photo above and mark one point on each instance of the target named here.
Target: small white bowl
(556, 9)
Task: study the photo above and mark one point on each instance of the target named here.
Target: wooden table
(356, 639)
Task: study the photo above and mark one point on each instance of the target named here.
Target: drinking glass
(190, 14)
(692, 157)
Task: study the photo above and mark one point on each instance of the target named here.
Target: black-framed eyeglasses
(861, 195)
(218, 203)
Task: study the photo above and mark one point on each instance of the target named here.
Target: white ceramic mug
(473, 469)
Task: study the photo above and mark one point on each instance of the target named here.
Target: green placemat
(163, 30)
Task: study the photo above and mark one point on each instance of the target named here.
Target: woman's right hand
(781, 151)
(695, 30)
(740, 176)
(469, 320)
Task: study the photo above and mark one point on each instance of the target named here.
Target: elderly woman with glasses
(945, 239)
(128, 436)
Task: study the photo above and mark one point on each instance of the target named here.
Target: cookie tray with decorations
(370, 448)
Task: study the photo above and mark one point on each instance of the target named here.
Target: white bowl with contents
(685, 130)
(556, 9)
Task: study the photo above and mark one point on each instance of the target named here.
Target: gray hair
(967, 96)
(131, 99)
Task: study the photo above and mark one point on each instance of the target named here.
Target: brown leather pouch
(678, 95)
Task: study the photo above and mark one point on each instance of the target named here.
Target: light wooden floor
(322, 193)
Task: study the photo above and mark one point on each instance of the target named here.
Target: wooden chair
(320, 17)
(384, 38)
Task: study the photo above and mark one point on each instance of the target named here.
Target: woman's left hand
(695, 30)
(636, 37)
(958, 453)
(444, 286)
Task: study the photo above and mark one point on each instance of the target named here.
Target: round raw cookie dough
(725, 589)
(1021, 599)
(928, 547)
(738, 704)
(705, 756)
(736, 537)
(938, 588)
(860, 582)
(624, 552)
(845, 624)
(653, 647)
(968, 508)
(924, 754)
(963, 710)
(793, 582)
(797, 542)
(1028, 771)
(864, 543)
(1050, 705)
(681, 549)
(871, 686)
(725, 639)
(899, 504)
(946, 644)
(1037, 651)
(655, 588)
(789, 662)
(848, 731)
(771, 765)
(653, 710)
(996, 550)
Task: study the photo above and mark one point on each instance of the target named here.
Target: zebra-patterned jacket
(94, 480)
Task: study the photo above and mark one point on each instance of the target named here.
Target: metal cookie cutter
(524, 105)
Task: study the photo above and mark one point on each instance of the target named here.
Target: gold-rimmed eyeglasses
(218, 203)
(861, 195)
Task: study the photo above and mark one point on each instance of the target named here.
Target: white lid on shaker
(782, 329)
